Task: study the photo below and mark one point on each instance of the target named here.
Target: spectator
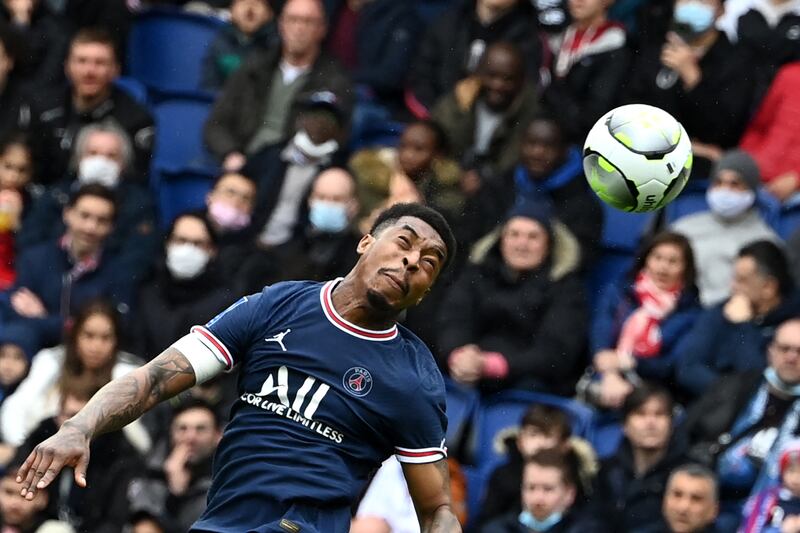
(187, 287)
(515, 316)
(631, 483)
(777, 509)
(484, 116)
(45, 38)
(454, 46)
(419, 170)
(732, 221)
(591, 66)
(230, 206)
(549, 169)
(56, 278)
(102, 154)
(732, 337)
(259, 104)
(699, 77)
(771, 137)
(11, 98)
(691, 500)
(20, 515)
(641, 318)
(58, 116)
(252, 29)
(148, 522)
(325, 248)
(542, 428)
(742, 422)
(549, 489)
(16, 170)
(185, 467)
(289, 169)
(102, 507)
(375, 41)
(89, 354)
(16, 352)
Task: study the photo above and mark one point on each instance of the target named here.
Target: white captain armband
(205, 362)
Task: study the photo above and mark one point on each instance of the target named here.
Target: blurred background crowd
(609, 372)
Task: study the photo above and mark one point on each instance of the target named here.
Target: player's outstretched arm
(114, 406)
(429, 486)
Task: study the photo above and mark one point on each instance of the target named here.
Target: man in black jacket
(454, 45)
(258, 106)
(57, 117)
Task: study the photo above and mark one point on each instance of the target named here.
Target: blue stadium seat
(476, 479)
(607, 269)
(623, 231)
(430, 10)
(133, 88)
(179, 144)
(502, 412)
(179, 193)
(166, 48)
(461, 405)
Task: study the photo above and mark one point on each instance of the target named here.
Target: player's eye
(404, 242)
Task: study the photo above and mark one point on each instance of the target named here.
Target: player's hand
(27, 304)
(68, 447)
(783, 186)
(679, 56)
(791, 524)
(738, 309)
(178, 475)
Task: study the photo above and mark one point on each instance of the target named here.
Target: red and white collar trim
(348, 327)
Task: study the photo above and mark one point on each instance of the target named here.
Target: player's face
(544, 491)
(401, 263)
(689, 503)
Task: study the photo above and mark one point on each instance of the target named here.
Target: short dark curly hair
(430, 216)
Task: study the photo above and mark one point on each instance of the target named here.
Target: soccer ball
(637, 158)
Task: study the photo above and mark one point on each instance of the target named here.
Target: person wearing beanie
(731, 222)
(510, 319)
(17, 348)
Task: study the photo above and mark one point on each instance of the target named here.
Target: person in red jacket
(772, 136)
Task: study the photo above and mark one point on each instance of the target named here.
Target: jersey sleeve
(420, 437)
(221, 344)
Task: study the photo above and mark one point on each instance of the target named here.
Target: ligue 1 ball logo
(357, 381)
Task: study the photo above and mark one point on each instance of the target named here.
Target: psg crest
(357, 381)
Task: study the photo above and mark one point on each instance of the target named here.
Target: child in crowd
(777, 509)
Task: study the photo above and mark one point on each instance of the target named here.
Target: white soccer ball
(637, 158)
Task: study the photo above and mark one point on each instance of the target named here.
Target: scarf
(579, 43)
(641, 331)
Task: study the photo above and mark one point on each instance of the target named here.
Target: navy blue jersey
(322, 402)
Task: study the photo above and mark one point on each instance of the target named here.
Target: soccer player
(329, 387)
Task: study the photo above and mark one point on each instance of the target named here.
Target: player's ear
(364, 244)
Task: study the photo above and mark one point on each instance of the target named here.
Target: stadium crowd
(645, 387)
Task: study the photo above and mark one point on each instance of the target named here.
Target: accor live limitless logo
(302, 407)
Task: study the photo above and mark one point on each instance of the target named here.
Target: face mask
(729, 204)
(315, 151)
(697, 15)
(773, 379)
(99, 169)
(186, 261)
(531, 522)
(228, 217)
(330, 217)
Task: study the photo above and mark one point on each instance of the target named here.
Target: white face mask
(186, 261)
(729, 204)
(99, 169)
(316, 151)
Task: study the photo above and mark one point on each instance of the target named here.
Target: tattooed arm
(429, 486)
(114, 406)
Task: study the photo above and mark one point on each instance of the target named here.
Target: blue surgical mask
(773, 379)
(728, 203)
(330, 217)
(696, 15)
(531, 522)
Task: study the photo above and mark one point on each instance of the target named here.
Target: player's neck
(354, 306)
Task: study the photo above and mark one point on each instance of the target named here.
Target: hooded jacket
(533, 319)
